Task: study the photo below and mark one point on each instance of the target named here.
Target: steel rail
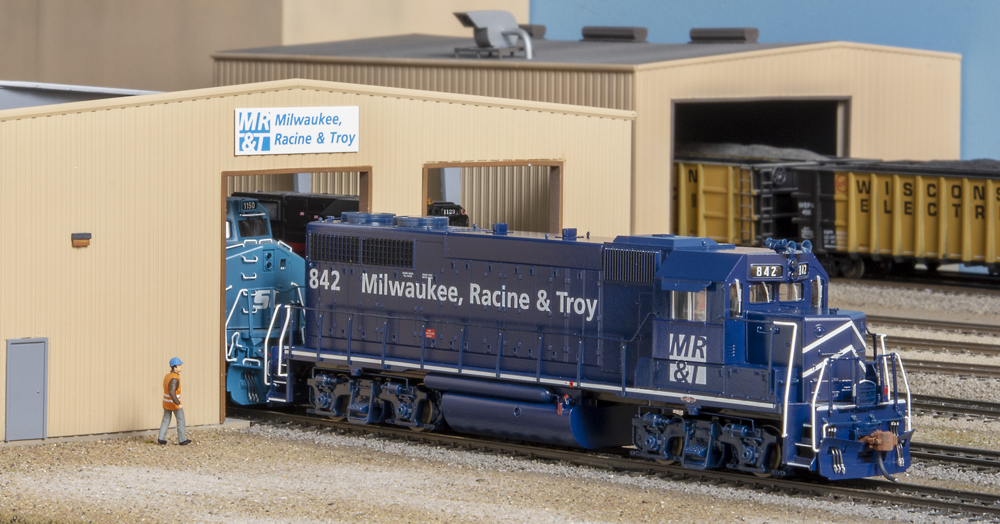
(936, 325)
(961, 369)
(955, 455)
(928, 403)
(925, 344)
(871, 491)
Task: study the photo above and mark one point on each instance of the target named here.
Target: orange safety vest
(168, 403)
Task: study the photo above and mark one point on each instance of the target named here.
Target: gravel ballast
(266, 474)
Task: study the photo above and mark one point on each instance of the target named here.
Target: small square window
(761, 293)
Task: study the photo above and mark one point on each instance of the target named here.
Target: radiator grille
(629, 266)
(334, 248)
(385, 252)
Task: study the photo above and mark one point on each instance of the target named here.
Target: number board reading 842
(776, 270)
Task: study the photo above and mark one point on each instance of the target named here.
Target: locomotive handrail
(248, 261)
(485, 326)
(274, 316)
(289, 308)
(812, 406)
(281, 342)
(229, 349)
(906, 384)
(235, 303)
(788, 379)
(638, 329)
(819, 381)
(298, 290)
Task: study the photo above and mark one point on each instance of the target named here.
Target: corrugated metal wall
(145, 178)
(602, 86)
(339, 183)
(342, 183)
(904, 104)
(516, 195)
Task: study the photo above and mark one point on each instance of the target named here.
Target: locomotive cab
(261, 275)
(754, 324)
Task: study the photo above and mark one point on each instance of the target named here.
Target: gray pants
(181, 425)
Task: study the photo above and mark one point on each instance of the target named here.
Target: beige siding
(307, 21)
(904, 104)
(609, 88)
(138, 44)
(145, 178)
(515, 195)
(166, 45)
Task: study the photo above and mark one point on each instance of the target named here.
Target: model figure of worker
(172, 403)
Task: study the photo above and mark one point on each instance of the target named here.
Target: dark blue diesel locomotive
(261, 275)
(709, 355)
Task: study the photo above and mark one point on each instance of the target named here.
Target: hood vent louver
(594, 33)
(724, 35)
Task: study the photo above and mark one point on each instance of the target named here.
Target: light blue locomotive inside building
(261, 275)
(709, 355)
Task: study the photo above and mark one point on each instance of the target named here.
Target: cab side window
(735, 299)
(691, 306)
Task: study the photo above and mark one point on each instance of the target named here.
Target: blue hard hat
(175, 362)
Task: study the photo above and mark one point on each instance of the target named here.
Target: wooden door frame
(364, 205)
(555, 184)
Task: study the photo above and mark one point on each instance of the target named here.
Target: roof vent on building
(593, 33)
(724, 35)
(495, 32)
(535, 31)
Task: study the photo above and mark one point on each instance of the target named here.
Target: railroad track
(943, 405)
(984, 458)
(936, 325)
(975, 348)
(954, 502)
(960, 369)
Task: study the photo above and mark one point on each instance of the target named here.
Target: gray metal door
(27, 363)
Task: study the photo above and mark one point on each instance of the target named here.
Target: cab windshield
(253, 227)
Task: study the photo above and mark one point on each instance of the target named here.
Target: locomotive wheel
(675, 449)
(774, 460)
(852, 267)
(430, 415)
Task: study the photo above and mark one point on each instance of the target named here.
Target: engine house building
(114, 222)
(835, 98)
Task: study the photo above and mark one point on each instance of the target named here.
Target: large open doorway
(819, 125)
(260, 274)
(525, 195)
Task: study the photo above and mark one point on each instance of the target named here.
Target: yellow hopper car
(859, 215)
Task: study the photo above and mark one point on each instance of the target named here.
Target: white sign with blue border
(296, 130)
